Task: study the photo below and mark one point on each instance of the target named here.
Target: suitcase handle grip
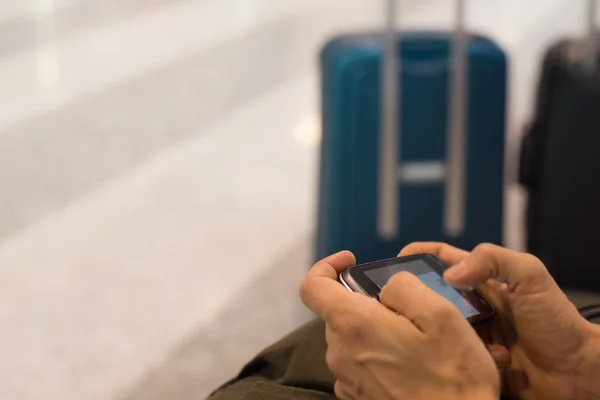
(391, 136)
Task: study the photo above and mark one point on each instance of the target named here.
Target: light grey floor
(263, 312)
(156, 158)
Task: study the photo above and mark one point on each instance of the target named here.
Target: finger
(339, 358)
(451, 255)
(333, 265)
(408, 296)
(343, 391)
(500, 354)
(488, 261)
(495, 292)
(320, 289)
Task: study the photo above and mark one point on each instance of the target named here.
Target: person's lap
(294, 368)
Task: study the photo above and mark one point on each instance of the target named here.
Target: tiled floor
(157, 166)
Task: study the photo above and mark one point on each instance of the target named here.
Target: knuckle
(534, 267)
(340, 391)
(334, 363)
(533, 262)
(347, 325)
(485, 248)
(410, 248)
(305, 289)
(444, 312)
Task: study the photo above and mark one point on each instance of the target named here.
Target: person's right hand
(546, 337)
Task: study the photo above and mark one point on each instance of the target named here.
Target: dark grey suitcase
(560, 163)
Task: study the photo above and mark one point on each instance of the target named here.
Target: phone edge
(349, 283)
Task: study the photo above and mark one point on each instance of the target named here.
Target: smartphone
(369, 278)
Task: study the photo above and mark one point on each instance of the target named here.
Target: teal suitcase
(413, 140)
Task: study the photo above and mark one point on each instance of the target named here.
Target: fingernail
(498, 355)
(457, 271)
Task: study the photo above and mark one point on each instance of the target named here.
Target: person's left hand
(415, 345)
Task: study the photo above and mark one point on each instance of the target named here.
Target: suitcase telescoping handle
(592, 51)
(455, 195)
(391, 136)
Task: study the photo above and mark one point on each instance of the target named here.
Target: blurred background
(158, 175)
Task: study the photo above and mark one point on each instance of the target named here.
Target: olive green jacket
(295, 369)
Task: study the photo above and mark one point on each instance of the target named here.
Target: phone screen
(429, 277)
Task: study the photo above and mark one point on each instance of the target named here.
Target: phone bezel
(368, 287)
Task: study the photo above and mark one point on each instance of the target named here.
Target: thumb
(518, 270)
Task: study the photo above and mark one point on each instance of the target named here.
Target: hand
(540, 328)
(415, 345)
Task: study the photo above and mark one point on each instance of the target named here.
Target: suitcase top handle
(390, 135)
